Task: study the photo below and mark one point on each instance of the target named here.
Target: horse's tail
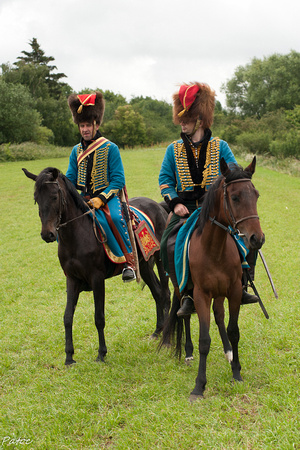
(173, 330)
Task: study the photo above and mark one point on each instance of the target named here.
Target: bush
(254, 142)
(27, 151)
(288, 145)
(44, 136)
(229, 133)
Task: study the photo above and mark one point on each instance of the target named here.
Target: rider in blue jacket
(96, 169)
(190, 166)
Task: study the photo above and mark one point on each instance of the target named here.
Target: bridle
(228, 210)
(62, 203)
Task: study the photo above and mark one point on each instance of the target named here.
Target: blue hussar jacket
(101, 174)
(106, 172)
(175, 178)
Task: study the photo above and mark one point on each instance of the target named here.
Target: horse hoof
(154, 336)
(70, 362)
(229, 356)
(188, 360)
(194, 397)
(237, 379)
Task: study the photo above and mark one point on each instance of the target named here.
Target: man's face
(187, 127)
(87, 130)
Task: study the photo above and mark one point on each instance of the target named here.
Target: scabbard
(131, 236)
(257, 294)
(268, 272)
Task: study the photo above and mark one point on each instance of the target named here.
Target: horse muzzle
(49, 236)
(255, 242)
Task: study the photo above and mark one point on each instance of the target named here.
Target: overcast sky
(148, 48)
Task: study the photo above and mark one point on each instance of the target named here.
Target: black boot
(248, 298)
(187, 307)
(128, 274)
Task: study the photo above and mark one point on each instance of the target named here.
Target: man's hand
(181, 210)
(95, 202)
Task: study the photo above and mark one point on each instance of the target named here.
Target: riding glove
(95, 202)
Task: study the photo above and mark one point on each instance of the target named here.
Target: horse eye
(235, 198)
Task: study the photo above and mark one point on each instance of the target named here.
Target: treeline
(33, 107)
(262, 114)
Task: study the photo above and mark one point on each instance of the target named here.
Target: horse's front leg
(99, 301)
(72, 298)
(202, 305)
(234, 333)
(219, 313)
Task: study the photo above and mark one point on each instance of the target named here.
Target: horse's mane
(50, 174)
(236, 172)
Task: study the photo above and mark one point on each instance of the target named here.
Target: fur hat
(194, 101)
(87, 107)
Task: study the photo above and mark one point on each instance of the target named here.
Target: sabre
(124, 200)
(268, 272)
(257, 294)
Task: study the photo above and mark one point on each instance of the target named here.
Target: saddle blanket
(181, 255)
(144, 232)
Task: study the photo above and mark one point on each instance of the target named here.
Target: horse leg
(72, 298)
(164, 284)
(188, 340)
(202, 304)
(99, 302)
(219, 313)
(233, 333)
(150, 278)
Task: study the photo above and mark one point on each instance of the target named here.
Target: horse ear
(224, 167)
(251, 167)
(55, 173)
(30, 175)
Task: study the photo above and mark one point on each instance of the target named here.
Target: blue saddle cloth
(110, 243)
(181, 255)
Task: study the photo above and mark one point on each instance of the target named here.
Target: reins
(228, 210)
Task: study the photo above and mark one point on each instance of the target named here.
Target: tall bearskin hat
(87, 107)
(194, 101)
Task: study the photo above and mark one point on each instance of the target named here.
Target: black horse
(63, 214)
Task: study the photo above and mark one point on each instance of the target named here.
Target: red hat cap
(86, 100)
(187, 95)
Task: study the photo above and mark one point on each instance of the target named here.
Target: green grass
(138, 399)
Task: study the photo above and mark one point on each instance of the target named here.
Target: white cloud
(147, 48)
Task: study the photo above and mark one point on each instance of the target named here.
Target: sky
(148, 48)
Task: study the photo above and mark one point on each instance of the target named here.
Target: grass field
(138, 399)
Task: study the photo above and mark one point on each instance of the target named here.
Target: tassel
(79, 110)
(182, 112)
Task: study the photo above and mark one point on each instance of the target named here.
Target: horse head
(240, 203)
(49, 196)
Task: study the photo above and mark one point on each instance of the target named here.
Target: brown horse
(65, 217)
(215, 265)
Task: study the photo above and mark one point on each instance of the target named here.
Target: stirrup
(128, 274)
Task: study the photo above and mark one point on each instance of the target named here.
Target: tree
(157, 116)
(265, 85)
(36, 58)
(18, 117)
(34, 71)
(127, 128)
